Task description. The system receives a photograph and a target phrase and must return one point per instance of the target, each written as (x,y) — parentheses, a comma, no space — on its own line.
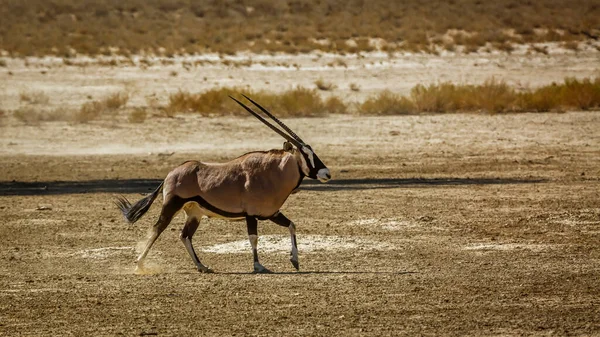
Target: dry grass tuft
(109,105)
(137,115)
(580,94)
(387,103)
(493,97)
(34,97)
(324,85)
(88,112)
(27,115)
(335,105)
(434,98)
(116,100)
(31,115)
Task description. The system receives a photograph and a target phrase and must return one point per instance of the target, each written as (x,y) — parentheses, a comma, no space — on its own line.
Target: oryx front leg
(282,220)
(190,227)
(252,225)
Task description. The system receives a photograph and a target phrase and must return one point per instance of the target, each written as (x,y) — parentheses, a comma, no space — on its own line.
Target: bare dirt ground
(446,225)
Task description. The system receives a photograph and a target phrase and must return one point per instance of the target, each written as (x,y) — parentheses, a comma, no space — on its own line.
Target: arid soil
(460,224)
(445,225)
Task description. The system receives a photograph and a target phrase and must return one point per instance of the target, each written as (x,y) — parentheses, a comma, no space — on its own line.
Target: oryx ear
(287,146)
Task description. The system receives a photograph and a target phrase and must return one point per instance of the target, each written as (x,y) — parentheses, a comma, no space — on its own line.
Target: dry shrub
(94,109)
(137,115)
(543,99)
(3,63)
(34,97)
(213,101)
(89,111)
(584,94)
(27,115)
(296,102)
(571,45)
(387,103)
(31,115)
(354,87)
(435,97)
(539,49)
(493,96)
(324,85)
(334,105)
(116,100)
(300,102)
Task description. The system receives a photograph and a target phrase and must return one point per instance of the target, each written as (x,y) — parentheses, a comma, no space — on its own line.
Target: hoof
(260,269)
(296,264)
(205,270)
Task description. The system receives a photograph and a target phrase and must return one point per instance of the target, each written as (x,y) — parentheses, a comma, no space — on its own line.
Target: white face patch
(310,155)
(303,165)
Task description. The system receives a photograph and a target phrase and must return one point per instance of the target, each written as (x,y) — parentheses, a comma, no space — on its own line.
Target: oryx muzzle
(253,187)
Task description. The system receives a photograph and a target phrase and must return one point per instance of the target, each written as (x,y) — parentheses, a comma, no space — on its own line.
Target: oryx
(253,187)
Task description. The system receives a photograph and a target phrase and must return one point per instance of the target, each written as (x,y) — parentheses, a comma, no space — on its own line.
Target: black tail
(133,213)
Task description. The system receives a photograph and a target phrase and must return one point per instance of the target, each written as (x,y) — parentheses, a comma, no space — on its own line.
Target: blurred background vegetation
(167,27)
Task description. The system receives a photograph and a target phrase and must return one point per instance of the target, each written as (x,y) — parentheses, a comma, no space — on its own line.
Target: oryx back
(257,184)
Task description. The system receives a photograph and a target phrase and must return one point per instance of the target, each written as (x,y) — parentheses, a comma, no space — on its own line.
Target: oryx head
(310,164)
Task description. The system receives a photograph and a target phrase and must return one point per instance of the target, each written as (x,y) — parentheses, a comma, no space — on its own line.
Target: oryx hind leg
(192,221)
(169,209)
(282,220)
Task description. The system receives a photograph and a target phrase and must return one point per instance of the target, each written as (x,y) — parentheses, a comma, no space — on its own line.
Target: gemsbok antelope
(253,186)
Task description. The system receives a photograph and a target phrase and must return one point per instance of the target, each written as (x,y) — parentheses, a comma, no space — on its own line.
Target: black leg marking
(282,220)
(190,227)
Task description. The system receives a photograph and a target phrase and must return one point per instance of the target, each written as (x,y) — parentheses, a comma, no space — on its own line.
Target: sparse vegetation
(492,96)
(34,97)
(167,27)
(137,115)
(324,85)
(32,115)
(94,109)
(116,100)
(295,102)
(387,103)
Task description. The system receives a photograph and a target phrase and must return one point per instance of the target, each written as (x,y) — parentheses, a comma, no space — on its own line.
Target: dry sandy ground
(440,225)
(456,224)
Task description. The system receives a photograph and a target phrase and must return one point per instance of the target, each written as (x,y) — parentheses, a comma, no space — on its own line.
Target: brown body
(256,184)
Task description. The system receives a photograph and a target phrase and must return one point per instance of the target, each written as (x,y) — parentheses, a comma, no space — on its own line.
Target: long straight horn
(285,127)
(271,126)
